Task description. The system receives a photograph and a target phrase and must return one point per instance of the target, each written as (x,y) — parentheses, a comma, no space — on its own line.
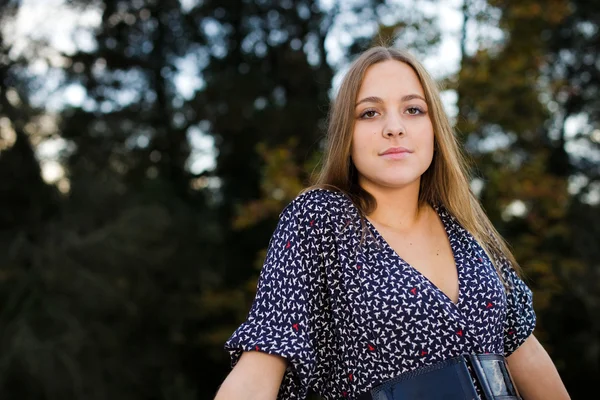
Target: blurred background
(147,148)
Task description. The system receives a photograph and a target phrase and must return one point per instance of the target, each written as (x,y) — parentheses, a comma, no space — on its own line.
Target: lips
(395,151)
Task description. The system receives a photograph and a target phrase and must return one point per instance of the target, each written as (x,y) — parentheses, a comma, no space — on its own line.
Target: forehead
(390,76)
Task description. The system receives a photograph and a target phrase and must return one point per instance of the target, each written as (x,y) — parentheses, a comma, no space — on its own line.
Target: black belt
(450,380)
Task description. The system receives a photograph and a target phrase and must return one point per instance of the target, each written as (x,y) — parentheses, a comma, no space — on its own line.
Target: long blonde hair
(446,181)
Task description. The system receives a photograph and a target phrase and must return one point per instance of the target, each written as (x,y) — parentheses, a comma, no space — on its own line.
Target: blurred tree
(124,280)
(515,97)
(572,80)
(24,206)
(27,205)
(101,299)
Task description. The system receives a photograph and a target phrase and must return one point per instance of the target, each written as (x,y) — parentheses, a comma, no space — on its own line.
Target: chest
(390,318)
(428,252)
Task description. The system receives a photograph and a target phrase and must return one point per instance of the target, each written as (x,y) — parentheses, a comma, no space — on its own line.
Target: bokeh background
(147,148)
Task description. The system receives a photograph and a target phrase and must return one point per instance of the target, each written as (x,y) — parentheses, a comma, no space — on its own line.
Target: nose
(394,127)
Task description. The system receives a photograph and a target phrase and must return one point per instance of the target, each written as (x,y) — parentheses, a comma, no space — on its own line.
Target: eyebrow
(375,99)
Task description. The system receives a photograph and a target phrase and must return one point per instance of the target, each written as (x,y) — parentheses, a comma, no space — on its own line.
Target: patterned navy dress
(348,313)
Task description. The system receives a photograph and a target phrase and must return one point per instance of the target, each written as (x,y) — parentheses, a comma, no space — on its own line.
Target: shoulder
(321,202)
(324,211)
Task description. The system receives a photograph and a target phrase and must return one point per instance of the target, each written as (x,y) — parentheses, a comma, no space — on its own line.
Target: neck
(397,208)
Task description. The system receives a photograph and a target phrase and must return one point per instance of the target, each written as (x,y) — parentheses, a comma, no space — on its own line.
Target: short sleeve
(287,316)
(520,315)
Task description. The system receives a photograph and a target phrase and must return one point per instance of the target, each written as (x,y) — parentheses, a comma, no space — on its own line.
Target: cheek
(432,143)
(361,144)
(360,149)
(363,136)
(428,138)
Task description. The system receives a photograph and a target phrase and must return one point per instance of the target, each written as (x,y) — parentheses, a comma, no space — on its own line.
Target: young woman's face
(392,142)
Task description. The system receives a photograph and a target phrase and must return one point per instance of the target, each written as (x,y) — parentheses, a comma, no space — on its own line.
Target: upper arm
(289,314)
(534,372)
(256,375)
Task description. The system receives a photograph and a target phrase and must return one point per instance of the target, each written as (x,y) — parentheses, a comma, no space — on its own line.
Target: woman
(388,263)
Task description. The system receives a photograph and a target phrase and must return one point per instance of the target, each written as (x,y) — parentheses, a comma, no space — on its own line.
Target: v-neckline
(421,276)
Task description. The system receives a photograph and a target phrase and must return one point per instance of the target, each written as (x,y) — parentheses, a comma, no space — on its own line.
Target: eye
(368,114)
(414,111)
